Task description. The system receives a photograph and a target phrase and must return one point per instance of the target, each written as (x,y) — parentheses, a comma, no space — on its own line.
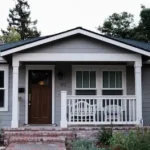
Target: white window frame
(5,68)
(99,76)
(115,68)
(83,68)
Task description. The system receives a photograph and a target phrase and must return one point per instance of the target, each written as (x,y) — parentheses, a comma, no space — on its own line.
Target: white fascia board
(68,57)
(73,32)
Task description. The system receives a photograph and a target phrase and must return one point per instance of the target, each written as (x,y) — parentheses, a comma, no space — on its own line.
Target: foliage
(84,145)
(122,25)
(19,19)
(104,136)
(137,140)
(142,31)
(119,25)
(11,36)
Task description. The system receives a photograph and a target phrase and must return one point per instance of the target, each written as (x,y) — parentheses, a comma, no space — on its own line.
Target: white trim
(84,57)
(74,32)
(99,81)
(5,68)
(40,67)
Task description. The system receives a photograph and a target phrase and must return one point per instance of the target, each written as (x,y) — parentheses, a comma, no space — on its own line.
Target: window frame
(5,68)
(76,68)
(115,68)
(99,76)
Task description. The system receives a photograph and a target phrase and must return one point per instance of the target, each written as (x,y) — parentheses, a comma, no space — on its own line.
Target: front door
(40,97)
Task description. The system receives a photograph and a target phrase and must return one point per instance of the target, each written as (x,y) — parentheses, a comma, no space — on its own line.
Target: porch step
(36,135)
(27,139)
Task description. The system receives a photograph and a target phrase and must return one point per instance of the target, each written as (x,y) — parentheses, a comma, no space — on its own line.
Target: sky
(55,16)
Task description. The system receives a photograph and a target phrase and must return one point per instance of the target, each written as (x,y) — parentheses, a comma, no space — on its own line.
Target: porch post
(63,121)
(15,103)
(138,92)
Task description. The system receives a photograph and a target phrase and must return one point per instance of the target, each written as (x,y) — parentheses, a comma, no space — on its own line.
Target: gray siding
(146,94)
(5,117)
(78,44)
(130,80)
(60,85)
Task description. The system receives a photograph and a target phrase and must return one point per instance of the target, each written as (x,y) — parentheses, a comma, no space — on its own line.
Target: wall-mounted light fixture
(60,75)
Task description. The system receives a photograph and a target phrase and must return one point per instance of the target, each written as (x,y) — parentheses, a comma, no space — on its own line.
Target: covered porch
(97,94)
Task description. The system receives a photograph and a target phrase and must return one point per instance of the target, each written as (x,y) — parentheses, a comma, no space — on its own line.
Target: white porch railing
(93,110)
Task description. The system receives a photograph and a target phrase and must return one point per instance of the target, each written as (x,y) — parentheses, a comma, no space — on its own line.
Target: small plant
(84,145)
(104,136)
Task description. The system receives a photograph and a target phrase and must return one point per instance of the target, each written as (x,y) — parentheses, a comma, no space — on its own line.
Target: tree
(118,25)
(122,25)
(142,31)
(19,19)
(11,36)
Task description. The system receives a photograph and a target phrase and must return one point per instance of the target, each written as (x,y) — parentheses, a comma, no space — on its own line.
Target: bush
(84,145)
(104,136)
(137,140)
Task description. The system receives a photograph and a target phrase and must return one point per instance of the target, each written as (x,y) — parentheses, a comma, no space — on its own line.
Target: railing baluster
(129,110)
(122,104)
(118,111)
(102,110)
(125,110)
(109,110)
(105,109)
(97,108)
(133,109)
(94,103)
(89,110)
(114,110)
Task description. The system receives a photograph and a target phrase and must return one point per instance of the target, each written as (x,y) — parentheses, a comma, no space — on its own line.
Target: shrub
(104,136)
(137,140)
(84,145)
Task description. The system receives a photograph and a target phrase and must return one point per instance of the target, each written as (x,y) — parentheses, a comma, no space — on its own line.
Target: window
(85,83)
(112,83)
(3,87)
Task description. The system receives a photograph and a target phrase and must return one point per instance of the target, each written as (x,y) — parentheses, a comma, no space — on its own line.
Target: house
(76,77)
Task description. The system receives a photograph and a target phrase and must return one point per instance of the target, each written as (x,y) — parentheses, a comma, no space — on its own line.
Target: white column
(138,92)
(63,121)
(15,102)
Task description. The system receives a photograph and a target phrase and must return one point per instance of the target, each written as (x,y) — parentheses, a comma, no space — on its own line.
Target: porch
(97,94)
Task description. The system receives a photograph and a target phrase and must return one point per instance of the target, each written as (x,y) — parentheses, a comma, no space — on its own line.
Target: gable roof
(132,45)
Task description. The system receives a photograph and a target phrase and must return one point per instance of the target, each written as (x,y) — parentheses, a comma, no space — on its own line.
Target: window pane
(85,79)
(79,79)
(112,79)
(105,79)
(1,79)
(85,92)
(118,79)
(1,98)
(92,79)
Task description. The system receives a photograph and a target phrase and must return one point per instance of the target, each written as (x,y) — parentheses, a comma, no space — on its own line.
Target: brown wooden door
(40,97)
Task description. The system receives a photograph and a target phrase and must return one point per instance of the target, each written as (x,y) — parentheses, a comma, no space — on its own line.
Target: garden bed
(138,139)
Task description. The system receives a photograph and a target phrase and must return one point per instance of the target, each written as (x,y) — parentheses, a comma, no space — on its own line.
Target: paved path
(36,147)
